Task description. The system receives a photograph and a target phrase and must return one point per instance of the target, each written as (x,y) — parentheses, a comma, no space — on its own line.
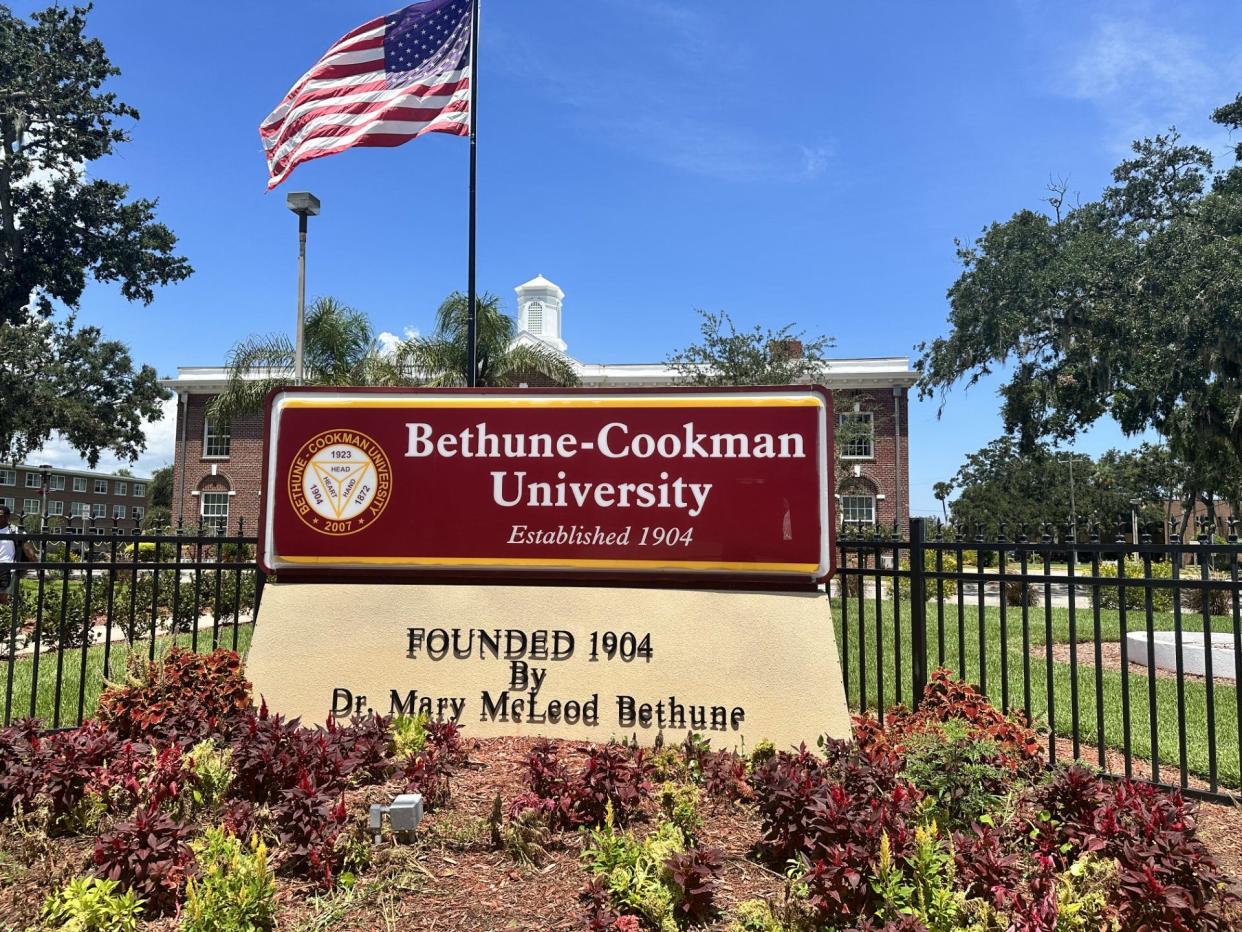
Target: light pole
(304,205)
(45,474)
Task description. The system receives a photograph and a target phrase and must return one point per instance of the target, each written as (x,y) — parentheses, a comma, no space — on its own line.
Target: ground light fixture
(404,813)
(304,204)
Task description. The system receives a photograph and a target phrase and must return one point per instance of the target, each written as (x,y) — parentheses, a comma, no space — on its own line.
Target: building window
(31,506)
(857,509)
(138,512)
(56,507)
(56,483)
(33,481)
(118,512)
(97,531)
(534,316)
(215,440)
(120,488)
(215,508)
(79,484)
(140,490)
(101,486)
(8,476)
(9,503)
(99,510)
(76,509)
(856,431)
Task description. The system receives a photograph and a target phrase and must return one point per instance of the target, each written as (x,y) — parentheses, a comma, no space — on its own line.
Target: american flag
(390,80)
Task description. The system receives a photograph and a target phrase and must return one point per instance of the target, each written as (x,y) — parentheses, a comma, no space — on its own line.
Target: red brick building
(217,468)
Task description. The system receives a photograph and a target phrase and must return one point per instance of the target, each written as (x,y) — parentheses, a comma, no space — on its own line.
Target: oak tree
(60,228)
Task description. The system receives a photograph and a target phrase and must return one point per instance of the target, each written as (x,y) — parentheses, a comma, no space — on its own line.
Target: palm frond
(525,363)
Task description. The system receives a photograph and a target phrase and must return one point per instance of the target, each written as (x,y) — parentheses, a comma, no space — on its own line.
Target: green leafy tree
(1128,306)
(442,358)
(1002,482)
(339,349)
(160,488)
(58,230)
(758,356)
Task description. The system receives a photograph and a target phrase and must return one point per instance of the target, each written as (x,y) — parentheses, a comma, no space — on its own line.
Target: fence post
(918,609)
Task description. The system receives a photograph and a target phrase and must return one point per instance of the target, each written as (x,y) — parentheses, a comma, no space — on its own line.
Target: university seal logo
(340,482)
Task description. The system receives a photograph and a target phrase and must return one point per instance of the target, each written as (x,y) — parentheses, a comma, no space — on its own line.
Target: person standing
(11,542)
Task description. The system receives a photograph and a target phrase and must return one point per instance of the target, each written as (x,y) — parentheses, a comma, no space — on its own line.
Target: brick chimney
(785,349)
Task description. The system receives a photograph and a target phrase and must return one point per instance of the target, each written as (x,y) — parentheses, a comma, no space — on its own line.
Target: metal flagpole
(472,349)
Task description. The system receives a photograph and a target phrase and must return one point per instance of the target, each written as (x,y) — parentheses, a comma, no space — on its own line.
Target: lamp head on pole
(303,203)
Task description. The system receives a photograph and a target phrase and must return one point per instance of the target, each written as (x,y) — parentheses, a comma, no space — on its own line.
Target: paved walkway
(100,633)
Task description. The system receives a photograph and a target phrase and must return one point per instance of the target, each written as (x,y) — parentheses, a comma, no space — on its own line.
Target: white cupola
(539,310)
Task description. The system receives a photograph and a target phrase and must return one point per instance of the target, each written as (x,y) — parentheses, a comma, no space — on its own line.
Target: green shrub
(1022,593)
(756,916)
(1084,893)
(964,777)
(90,904)
(948,564)
(763,752)
(668,764)
(923,887)
(409,735)
(63,619)
(212,774)
(637,880)
(1161,598)
(1219,601)
(235,890)
(680,803)
(150,551)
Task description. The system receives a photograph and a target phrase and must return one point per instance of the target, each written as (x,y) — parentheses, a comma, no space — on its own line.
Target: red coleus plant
(182,697)
(51,770)
(945,699)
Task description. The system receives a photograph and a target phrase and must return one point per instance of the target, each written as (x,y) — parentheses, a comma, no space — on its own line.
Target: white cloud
(389,342)
(161,445)
(1145,75)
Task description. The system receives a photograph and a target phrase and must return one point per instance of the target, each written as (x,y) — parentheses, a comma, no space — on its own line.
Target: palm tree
(339,349)
(441,359)
(942,490)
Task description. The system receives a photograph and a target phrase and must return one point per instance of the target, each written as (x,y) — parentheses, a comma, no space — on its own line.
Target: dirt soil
(1110,657)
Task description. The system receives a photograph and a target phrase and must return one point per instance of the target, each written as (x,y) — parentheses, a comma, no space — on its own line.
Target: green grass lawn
(70,673)
(1066,679)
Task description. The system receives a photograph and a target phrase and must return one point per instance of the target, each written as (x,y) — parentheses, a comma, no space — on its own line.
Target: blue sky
(789,162)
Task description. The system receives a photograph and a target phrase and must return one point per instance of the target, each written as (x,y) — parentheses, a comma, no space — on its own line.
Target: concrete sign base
(560,661)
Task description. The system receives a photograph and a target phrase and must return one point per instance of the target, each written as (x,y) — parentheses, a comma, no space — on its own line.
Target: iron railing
(92,599)
(1042,623)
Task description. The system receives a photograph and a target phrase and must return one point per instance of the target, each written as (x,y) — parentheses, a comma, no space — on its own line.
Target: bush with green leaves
(963,775)
(756,916)
(1219,601)
(213,774)
(680,803)
(1161,596)
(61,612)
(634,869)
(409,735)
(921,886)
(935,587)
(92,904)
(1084,894)
(234,890)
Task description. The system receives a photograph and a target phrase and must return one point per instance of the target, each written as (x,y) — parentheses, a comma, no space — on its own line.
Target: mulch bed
(450,879)
(449,885)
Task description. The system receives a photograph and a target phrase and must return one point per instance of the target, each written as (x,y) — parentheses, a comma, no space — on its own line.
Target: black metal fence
(1105,644)
(97,595)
